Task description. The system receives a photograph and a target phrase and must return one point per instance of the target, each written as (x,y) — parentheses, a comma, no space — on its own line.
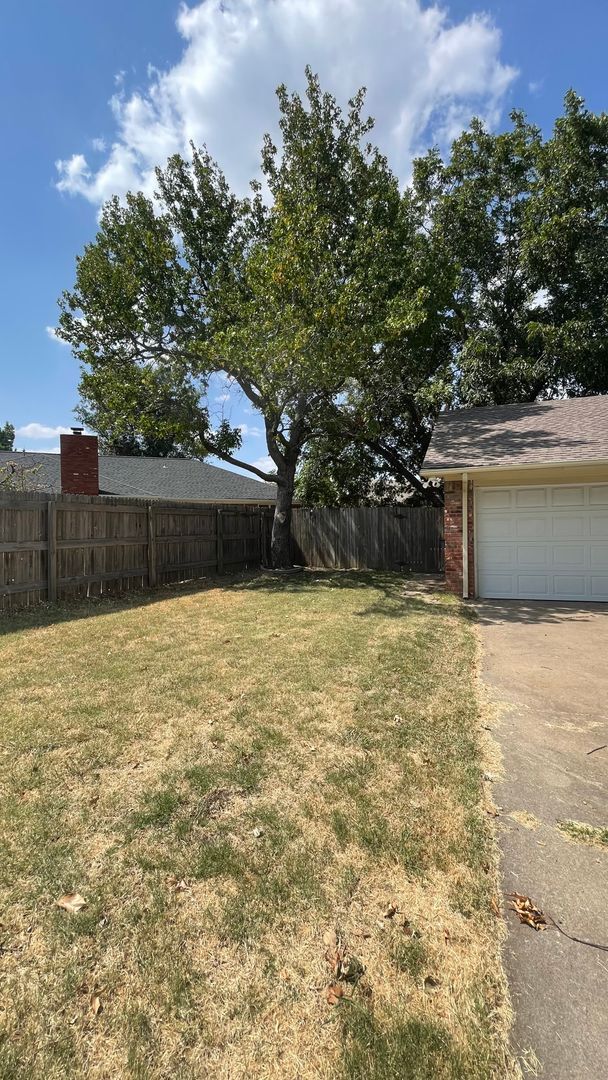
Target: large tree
(526,221)
(566,249)
(301,294)
(476,205)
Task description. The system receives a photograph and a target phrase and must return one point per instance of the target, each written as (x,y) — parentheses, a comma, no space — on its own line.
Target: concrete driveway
(546,669)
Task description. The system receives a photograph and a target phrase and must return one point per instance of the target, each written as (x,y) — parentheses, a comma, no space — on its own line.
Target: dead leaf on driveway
(527,912)
(72,902)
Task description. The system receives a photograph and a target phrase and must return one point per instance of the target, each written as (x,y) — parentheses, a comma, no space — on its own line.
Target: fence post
(219,542)
(152,574)
(51,532)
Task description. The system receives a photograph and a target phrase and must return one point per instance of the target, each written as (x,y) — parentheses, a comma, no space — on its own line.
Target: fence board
(369,537)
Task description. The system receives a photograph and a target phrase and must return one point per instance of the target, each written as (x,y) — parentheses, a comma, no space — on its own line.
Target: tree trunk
(280,545)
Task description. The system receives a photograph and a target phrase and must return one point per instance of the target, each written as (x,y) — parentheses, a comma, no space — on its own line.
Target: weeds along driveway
(546,667)
(269,796)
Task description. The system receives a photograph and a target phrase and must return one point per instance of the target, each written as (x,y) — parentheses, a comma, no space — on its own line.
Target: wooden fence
(53,547)
(370,537)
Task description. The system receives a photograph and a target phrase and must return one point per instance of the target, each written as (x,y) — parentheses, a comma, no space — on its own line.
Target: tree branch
(268,477)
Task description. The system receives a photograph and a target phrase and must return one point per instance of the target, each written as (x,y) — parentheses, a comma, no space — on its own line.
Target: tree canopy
(300,297)
(348,311)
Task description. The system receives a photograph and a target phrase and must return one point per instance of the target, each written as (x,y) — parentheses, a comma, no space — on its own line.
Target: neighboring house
(79,470)
(526,499)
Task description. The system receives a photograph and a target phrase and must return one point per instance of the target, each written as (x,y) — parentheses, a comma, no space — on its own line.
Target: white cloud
(247,431)
(426,75)
(221,398)
(99,145)
(51,332)
(41,431)
(266,464)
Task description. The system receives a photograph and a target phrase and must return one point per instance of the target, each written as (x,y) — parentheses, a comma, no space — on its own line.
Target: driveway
(546,669)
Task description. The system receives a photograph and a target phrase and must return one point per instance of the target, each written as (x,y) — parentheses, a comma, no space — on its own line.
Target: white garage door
(542,543)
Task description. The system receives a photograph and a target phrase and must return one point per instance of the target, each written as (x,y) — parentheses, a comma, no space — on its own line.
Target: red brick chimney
(79,463)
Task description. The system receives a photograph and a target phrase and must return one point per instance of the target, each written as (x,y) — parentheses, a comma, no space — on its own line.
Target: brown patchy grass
(228,775)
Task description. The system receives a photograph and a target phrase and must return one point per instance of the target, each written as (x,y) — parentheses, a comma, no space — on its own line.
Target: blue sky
(92,96)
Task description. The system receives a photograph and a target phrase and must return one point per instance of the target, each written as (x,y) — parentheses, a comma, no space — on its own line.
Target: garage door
(542,543)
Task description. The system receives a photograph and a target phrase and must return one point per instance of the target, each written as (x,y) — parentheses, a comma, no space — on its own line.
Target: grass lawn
(262,790)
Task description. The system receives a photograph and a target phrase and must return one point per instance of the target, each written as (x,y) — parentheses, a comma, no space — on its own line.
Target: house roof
(544,432)
(155,478)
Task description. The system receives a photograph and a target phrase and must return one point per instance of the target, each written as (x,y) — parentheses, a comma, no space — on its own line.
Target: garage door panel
(598,556)
(543,543)
(569,586)
(531,527)
(495,527)
(530,498)
(531,556)
(598,526)
(567,496)
(497,585)
(568,526)
(498,556)
(569,556)
(493,499)
(532,585)
(599,587)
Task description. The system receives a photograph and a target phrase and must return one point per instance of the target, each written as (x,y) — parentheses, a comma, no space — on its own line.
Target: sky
(94,96)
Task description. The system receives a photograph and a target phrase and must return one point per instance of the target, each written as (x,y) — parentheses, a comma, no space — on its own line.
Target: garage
(542,543)
(525,491)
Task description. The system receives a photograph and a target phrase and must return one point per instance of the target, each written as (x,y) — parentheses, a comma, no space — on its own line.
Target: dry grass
(228,775)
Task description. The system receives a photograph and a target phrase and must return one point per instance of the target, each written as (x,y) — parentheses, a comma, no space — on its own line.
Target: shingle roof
(575,429)
(155,478)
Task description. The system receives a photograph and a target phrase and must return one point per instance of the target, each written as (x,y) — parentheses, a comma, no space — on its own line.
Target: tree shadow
(400,595)
(535,612)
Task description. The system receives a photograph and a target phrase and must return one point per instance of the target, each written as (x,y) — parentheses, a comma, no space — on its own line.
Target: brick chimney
(79,463)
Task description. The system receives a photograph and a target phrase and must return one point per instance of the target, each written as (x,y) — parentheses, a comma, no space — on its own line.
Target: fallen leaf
(447,937)
(72,902)
(96,1006)
(342,965)
(391,910)
(180,885)
(431,983)
(257,833)
(494,906)
(527,912)
(333,993)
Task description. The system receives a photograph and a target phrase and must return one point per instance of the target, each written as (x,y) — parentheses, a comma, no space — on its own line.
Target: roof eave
(456,470)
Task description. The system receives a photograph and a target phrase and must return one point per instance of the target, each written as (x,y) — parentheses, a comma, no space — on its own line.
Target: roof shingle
(155,478)
(572,429)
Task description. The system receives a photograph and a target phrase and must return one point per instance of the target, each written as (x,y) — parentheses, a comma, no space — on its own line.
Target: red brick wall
(453,537)
(79,465)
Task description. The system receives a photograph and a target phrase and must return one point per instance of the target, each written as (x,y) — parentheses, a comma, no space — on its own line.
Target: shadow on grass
(400,595)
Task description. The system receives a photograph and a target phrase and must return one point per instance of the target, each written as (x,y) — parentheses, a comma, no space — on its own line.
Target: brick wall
(79,464)
(453,537)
